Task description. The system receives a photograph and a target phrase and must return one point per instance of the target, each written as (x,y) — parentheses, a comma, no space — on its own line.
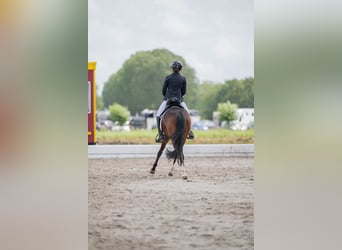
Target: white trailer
(245,116)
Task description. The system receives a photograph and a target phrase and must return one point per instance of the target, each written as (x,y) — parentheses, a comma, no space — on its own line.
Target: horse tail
(178,140)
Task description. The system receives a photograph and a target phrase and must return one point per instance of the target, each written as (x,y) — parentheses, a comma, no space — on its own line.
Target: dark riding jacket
(174,86)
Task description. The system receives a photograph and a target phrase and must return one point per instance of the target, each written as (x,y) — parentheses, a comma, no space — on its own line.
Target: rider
(174,86)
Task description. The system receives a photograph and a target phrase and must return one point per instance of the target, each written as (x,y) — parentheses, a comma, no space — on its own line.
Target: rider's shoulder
(182,77)
(170,76)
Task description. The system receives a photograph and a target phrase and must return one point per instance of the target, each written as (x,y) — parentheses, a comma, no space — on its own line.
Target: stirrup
(191,135)
(159,138)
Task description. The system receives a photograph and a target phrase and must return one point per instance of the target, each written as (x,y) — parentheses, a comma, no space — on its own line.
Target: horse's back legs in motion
(162,147)
(184,174)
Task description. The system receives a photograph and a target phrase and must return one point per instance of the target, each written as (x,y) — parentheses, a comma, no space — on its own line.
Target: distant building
(150,118)
(145,120)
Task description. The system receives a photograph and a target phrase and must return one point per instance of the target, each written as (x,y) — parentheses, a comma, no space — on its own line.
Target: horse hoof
(151,172)
(185,177)
(170,174)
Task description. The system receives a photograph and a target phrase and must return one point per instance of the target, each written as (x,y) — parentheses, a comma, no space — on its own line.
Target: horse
(175,125)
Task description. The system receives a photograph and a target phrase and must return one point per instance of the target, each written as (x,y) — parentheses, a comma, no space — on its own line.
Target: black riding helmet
(176,65)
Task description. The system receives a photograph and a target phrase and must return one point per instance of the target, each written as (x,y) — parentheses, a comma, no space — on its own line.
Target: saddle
(173,101)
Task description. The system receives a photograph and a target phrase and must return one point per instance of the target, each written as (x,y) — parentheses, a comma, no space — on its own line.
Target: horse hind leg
(173,167)
(184,174)
(162,147)
(171,170)
(180,162)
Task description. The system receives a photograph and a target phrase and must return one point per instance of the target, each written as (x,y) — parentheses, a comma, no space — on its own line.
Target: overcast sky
(215,37)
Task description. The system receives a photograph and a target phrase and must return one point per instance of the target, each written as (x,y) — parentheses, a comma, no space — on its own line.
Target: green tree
(138,84)
(237,91)
(207,103)
(118,113)
(228,111)
(99,103)
(247,96)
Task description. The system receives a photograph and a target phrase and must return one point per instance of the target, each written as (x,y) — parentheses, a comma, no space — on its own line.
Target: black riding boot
(191,135)
(160,136)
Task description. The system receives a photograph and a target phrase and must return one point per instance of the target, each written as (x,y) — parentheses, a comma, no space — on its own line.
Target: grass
(214,136)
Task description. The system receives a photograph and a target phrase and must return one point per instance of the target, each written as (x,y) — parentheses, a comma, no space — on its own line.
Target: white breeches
(163,106)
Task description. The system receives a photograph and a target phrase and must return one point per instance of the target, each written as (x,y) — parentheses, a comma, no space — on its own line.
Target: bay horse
(175,125)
